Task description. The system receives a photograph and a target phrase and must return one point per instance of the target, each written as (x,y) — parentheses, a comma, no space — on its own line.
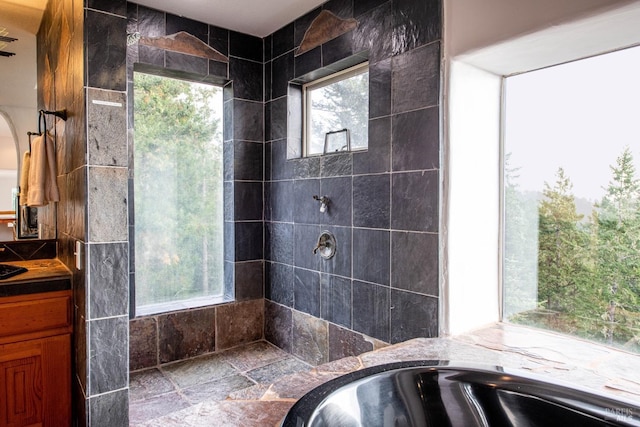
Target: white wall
(484,41)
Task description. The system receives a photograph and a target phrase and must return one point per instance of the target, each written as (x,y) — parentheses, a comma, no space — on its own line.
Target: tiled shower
(381,287)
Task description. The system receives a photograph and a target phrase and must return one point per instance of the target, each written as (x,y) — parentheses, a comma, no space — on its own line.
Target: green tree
(561,247)
(618,253)
(177,189)
(340,105)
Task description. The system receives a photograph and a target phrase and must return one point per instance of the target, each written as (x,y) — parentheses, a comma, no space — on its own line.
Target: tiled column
(104,365)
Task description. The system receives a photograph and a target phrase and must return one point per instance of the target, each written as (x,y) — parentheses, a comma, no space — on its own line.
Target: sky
(578,116)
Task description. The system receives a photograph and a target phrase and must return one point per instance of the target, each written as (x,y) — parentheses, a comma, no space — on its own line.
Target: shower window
(572,199)
(178,193)
(336,112)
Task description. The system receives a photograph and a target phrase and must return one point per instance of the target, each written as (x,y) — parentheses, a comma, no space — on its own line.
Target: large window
(178,200)
(336,112)
(572,198)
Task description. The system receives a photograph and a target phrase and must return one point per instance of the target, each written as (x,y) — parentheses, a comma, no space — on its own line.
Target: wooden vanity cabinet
(35,359)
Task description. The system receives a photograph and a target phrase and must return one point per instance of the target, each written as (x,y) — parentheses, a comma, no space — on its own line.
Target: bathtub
(433,393)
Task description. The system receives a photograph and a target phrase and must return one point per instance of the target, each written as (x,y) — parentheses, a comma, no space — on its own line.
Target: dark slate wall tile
(282,69)
(249,241)
(117,7)
(109,266)
(248,201)
(371,255)
(420,251)
(375,33)
(282,40)
(247,79)
(245,46)
(267,80)
(248,120)
(336,165)
(414,201)
(279,118)
(308,62)
(377,158)
(219,69)
(151,22)
(340,264)
(336,299)
(416,23)
(306,210)
(305,240)
(227,116)
(416,140)
(187,63)
(341,8)
(197,29)
(307,167)
(279,242)
(248,160)
(109,361)
(380,89)
(346,343)
(306,291)
(267,48)
(239,323)
(372,201)
(219,39)
(281,201)
(416,79)
(362,6)
(249,280)
(310,339)
(413,316)
(337,49)
(279,281)
(143,343)
(110,409)
(229,240)
(106,51)
(371,309)
(151,55)
(280,167)
(339,191)
(186,334)
(278,326)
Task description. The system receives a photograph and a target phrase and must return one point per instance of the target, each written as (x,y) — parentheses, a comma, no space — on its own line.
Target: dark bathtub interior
(434,393)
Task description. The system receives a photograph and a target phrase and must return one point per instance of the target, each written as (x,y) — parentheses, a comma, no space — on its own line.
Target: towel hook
(42,120)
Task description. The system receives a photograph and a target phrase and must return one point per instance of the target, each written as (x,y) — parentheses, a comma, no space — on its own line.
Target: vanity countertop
(42,275)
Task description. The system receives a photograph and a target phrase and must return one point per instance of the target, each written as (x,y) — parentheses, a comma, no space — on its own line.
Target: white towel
(24,178)
(42,187)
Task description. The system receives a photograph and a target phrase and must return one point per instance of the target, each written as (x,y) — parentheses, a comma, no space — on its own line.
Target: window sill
(167,307)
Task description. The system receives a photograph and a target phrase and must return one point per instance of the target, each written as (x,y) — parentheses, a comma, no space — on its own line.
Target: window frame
(336,77)
(198,301)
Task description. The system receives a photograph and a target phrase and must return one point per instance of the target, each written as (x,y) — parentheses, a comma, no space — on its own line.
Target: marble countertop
(43,275)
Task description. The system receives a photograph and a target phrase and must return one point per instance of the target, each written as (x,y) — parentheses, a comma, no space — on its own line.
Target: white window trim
(317,84)
(471,248)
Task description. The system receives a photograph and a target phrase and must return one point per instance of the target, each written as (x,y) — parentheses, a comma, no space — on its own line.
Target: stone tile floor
(255,385)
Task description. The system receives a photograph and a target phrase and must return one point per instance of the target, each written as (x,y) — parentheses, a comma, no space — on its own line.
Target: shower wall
(382,284)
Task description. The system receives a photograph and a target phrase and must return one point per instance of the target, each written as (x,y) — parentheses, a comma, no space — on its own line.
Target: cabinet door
(35,381)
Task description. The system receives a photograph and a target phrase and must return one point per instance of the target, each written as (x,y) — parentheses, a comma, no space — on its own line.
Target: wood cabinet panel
(35,374)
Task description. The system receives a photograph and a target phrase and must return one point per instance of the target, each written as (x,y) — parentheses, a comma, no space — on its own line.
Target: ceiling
(255,17)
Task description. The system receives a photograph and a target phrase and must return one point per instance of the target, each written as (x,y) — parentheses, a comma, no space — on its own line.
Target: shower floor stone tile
(255,385)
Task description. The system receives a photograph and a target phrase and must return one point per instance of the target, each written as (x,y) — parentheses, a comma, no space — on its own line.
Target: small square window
(336,112)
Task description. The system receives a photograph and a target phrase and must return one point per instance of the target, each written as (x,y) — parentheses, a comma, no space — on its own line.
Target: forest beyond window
(178,193)
(572,199)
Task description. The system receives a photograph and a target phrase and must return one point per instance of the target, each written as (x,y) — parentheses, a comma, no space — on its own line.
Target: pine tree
(618,251)
(561,247)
